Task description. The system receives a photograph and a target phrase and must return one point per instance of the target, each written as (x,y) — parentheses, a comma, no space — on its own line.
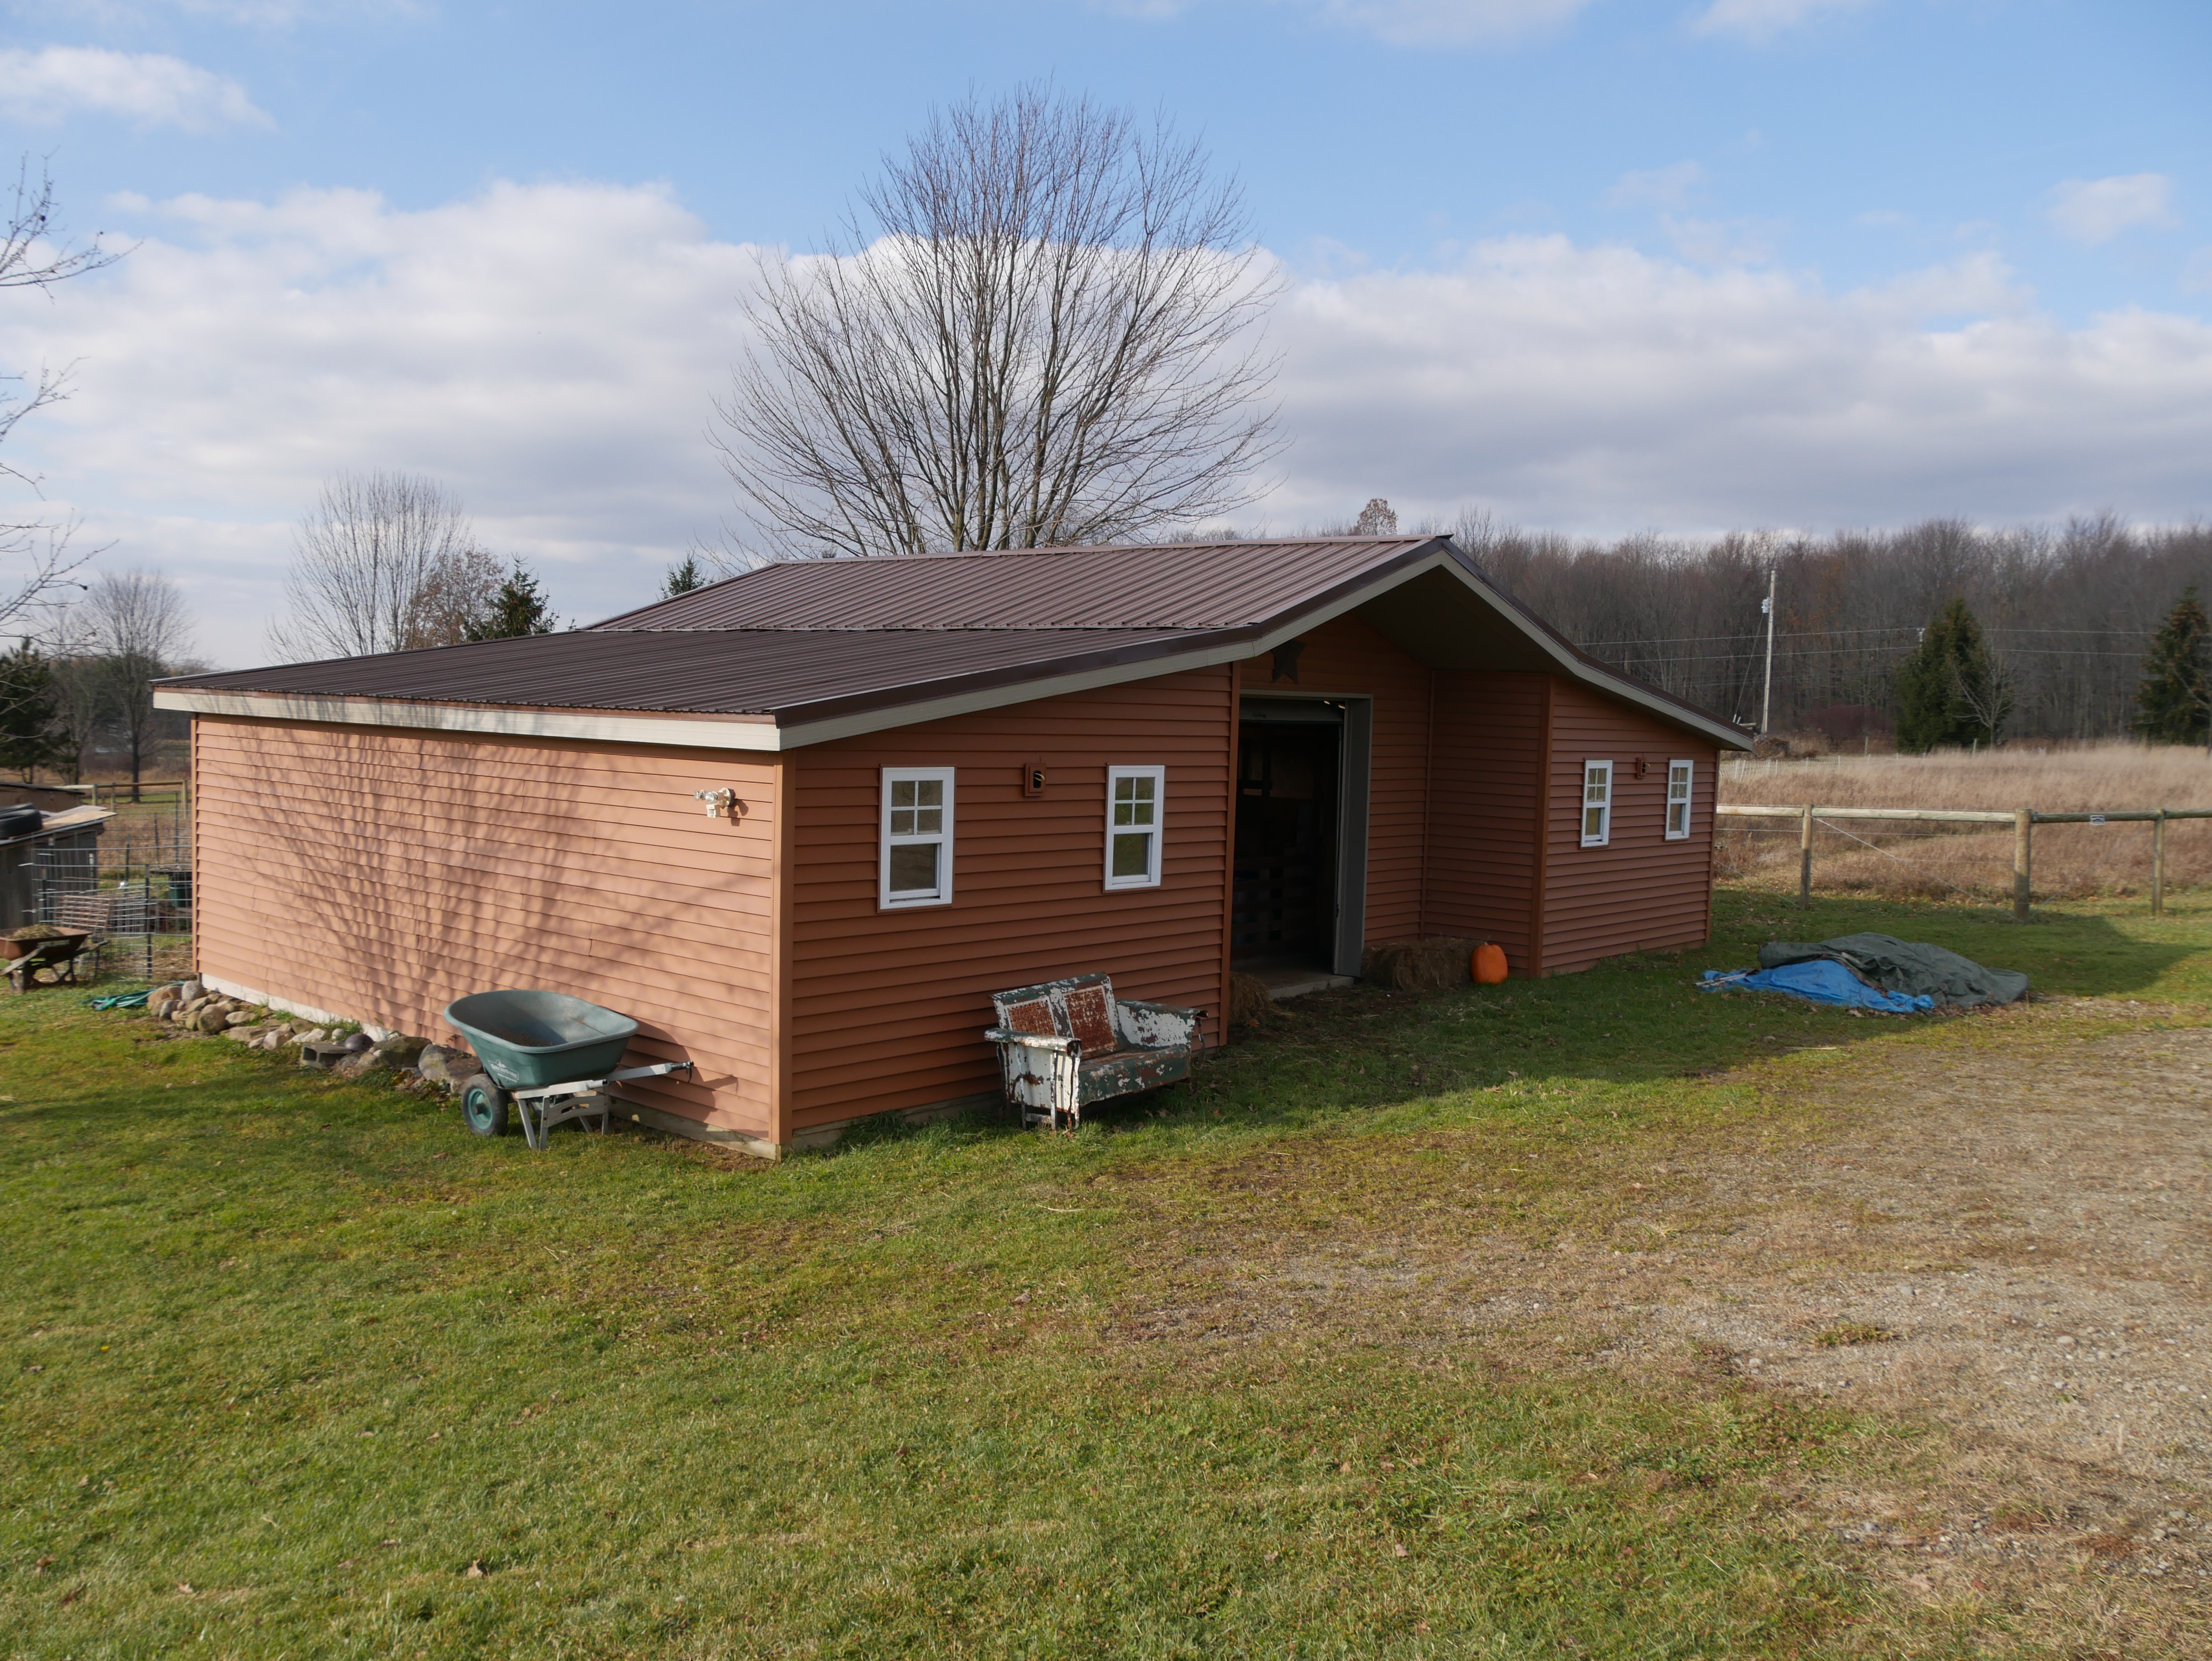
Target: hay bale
(1248,1002)
(1424,965)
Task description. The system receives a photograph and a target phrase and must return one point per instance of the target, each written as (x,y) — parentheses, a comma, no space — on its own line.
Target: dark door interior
(1283,908)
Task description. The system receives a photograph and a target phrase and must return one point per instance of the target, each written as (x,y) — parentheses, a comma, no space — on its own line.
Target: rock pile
(194,1008)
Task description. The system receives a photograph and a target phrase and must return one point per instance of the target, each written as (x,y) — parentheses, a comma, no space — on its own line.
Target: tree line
(85,689)
(2038,632)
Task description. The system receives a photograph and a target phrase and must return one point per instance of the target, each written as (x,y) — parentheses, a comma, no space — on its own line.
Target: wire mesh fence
(138,875)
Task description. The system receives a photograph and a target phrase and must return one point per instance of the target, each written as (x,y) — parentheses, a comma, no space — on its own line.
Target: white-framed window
(1597,803)
(916,867)
(1681,780)
(1135,799)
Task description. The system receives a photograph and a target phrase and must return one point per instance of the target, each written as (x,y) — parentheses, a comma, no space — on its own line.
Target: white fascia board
(499,721)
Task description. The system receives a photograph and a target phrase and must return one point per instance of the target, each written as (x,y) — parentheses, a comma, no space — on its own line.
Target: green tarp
(1897,965)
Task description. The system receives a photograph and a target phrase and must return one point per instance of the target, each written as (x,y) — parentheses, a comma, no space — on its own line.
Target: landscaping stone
(363,1062)
(446,1065)
(399,1049)
(240,1018)
(189,990)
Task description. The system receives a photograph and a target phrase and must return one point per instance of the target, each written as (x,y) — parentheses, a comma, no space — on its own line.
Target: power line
(1840,633)
(1751,655)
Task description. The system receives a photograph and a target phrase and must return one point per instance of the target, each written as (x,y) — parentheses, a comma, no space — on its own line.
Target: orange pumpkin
(1489,965)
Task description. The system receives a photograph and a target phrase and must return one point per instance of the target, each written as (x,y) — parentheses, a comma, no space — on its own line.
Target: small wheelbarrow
(54,958)
(548,1054)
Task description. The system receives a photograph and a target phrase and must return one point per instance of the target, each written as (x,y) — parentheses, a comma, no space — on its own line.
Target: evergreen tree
(1950,690)
(28,702)
(2173,703)
(683,579)
(519,608)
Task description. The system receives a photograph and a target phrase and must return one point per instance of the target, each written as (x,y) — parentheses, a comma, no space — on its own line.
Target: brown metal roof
(725,672)
(808,641)
(1192,584)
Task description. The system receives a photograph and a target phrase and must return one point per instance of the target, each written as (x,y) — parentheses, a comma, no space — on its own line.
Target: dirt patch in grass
(1997,1238)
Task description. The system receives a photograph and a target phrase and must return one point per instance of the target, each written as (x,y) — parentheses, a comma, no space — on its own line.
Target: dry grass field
(1932,861)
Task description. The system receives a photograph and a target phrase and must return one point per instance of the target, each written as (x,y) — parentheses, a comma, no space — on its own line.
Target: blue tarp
(1820,980)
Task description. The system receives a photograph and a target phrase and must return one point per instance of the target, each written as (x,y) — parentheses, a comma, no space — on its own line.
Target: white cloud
(1603,390)
(2196,272)
(146,88)
(550,351)
(1659,187)
(1762,20)
(2094,210)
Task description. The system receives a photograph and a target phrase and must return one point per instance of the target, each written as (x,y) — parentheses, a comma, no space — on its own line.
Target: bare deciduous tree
(41,551)
(1038,326)
(385,563)
(136,630)
(2069,611)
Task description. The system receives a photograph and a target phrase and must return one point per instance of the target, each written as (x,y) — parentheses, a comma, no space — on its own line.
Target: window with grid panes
(1597,803)
(916,866)
(1135,797)
(1681,776)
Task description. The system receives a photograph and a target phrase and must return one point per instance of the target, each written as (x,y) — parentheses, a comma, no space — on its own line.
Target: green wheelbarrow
(550,1055)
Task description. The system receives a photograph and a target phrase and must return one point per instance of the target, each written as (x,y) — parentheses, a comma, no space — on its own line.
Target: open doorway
(1289,769)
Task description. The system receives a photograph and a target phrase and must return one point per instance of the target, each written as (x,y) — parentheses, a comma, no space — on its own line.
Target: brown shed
(800,824)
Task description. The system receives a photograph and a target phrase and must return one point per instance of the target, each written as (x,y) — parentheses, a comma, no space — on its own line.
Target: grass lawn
(299,1368)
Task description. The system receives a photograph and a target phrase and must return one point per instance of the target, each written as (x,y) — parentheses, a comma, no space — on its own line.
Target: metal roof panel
(1196,585)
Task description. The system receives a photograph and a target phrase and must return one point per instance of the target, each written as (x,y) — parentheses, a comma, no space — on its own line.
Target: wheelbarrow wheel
(483,1104)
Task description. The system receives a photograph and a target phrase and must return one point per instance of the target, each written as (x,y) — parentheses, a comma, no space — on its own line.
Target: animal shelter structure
(801,823)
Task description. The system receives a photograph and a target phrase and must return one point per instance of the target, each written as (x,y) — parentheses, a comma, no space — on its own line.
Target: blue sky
(1606,266)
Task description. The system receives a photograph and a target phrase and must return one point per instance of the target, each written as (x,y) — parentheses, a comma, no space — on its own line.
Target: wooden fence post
(2158,864)
(1805,861)
(2023,853)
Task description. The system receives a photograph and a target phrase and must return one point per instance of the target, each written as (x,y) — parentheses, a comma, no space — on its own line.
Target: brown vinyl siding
(1347,657)
(1641,892)
(1485,797)
(379,873)
(888,1008)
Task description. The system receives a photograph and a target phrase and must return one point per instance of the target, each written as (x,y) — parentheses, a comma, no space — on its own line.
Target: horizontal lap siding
(1484,794)
(888,1008)
(1642,892)
(1347,657)
(380,874)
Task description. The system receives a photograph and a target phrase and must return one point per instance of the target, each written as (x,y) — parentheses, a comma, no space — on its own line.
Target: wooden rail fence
(2023,821)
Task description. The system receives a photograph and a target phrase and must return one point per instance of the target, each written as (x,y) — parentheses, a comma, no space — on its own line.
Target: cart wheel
(483,1104)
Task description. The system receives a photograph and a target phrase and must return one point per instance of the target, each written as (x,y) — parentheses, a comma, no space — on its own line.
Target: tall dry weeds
(1933,862)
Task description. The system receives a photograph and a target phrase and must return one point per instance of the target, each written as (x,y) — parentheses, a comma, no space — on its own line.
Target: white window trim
(1158,776)
(1592,769)
(885,843)
(1688,799)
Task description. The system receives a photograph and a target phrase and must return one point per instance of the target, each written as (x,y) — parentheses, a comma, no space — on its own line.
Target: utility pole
(1767,696)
